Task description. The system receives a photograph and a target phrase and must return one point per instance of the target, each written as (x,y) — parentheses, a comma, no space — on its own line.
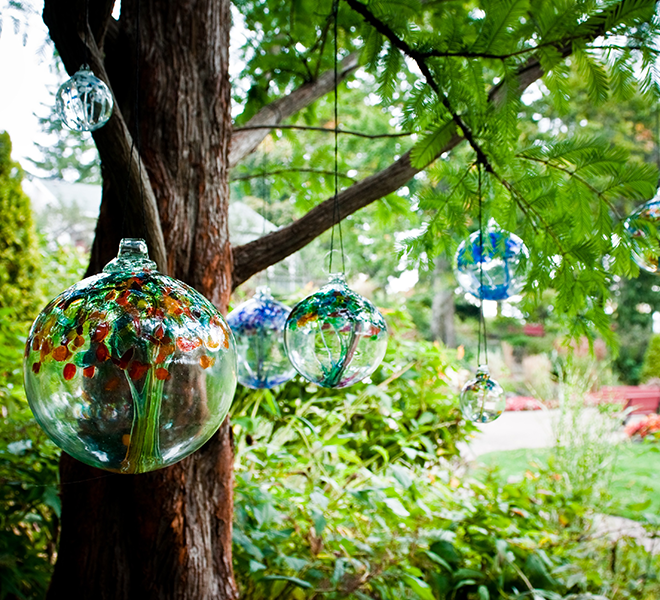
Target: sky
(27,81)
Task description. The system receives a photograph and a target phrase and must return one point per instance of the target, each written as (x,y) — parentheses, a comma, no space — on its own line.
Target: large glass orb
(644,223)
(482,398)
(258,327)
(501,259)
(130,370)
(84,102)
(335,337)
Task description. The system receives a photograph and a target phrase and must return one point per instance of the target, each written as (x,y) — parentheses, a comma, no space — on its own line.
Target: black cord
(86,32)
(336,218)
(135,140)
(482,318)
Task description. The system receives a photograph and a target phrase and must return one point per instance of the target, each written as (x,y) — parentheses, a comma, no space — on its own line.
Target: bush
(651,366)
(19,250)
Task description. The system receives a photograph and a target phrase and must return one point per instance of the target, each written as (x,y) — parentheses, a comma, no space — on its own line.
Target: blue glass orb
(258,327)
(130,370)
(335,337)
(84,102)
(482,398)
(642,224)
(500,259)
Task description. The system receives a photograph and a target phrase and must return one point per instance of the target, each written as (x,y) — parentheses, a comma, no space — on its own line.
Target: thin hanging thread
(266,208)
(86,32)
(336,217)
(135,140)
(482,319)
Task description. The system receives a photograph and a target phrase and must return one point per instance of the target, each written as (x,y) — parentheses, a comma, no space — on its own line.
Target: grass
(635,485)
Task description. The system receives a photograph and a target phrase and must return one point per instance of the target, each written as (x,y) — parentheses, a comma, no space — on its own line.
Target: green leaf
(299,582)
(431,145)
(419,586)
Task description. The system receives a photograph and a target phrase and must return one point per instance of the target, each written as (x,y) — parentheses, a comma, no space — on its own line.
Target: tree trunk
(442,307)
(165,534)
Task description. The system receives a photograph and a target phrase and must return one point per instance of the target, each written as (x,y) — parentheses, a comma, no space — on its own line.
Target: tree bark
(442,306)
(165,534)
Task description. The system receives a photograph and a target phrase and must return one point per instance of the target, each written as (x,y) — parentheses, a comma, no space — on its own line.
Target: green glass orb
(482,398)
(335,337)
(130,370)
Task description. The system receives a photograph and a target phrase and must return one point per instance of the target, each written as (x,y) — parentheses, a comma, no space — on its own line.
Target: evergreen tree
(19,251)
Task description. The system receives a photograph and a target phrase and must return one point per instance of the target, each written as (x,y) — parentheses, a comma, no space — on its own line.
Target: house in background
(66,213)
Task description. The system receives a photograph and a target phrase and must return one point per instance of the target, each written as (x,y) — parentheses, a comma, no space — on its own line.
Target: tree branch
(374,136)
(66,25)
(274,247)
(291,170)
(247,138)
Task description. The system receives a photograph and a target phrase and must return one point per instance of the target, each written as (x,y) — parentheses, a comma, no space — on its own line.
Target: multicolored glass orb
(500,258)
(258,327)
(644,223)
(482,398)
(335,337)
(84,102)
(130,370)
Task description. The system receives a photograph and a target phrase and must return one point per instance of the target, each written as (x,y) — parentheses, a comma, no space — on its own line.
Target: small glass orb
(130,370)
(500,260)
(258,327)
(84,102)
(482,398)
(335,337)
(641,224)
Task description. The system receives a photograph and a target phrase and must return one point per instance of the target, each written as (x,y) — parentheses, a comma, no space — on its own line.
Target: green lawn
(635,485)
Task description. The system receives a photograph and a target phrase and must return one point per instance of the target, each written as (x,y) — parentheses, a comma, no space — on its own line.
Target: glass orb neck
(337,278)
(133,256)
(263,293)
(483,371)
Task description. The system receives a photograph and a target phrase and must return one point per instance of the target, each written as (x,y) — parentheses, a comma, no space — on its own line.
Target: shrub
(651,366)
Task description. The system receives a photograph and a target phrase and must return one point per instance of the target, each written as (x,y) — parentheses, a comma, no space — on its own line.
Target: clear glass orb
(482,398)
(258,327)
(500,258)
(335,337)
(642,224)
(84,102)
(130,370)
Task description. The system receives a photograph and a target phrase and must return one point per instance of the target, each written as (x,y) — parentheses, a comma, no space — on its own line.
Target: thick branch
(67,25)
(244,141)
(274,247)
(370,136)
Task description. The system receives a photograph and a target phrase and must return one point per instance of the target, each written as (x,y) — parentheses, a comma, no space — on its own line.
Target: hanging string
(86,32)
(336,217)
(135,140)
(482,318)
(266,206)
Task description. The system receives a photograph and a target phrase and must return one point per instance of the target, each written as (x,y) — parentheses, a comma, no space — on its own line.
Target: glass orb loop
(335,337)
(130,370)
(500,261)
(84,102)
(482,398)
(644,224)
(258,327)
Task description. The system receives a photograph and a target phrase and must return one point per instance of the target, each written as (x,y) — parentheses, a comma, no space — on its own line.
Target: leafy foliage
(651,366)
(18,240)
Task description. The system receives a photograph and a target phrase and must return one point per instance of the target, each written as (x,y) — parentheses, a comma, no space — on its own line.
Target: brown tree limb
(270,249)
(258,255)
(370,136)
(140,213)
(244,141)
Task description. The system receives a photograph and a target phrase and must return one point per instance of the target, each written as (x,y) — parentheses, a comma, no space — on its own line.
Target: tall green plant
(19,251)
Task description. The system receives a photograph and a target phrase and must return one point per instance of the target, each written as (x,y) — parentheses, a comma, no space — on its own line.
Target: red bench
(642,400)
